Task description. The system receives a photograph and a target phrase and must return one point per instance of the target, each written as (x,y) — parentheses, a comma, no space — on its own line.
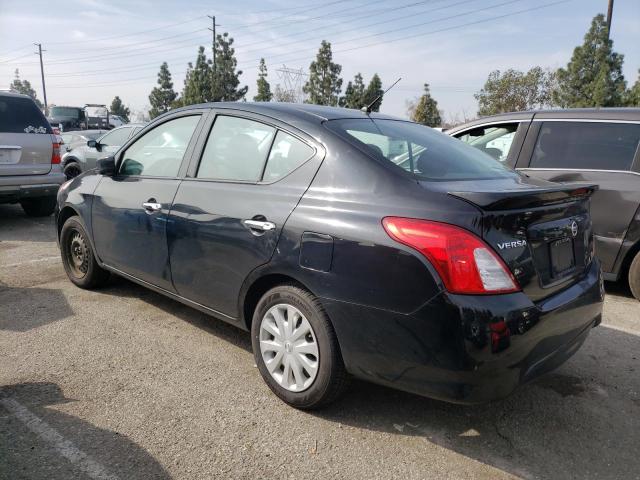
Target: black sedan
(348,244)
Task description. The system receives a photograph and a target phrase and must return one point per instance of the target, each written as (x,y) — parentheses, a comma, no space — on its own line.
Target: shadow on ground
(61,446)
(22,309)
(582,421)
(13,222)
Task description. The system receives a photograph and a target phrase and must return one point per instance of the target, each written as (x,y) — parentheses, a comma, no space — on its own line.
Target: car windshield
(421,151)
(96,111)
(64,112)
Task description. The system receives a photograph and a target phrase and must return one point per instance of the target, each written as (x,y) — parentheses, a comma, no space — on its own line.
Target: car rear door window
(160,151)
(494,140)
(586,145)
(236,149)
(287,154)
(21,115)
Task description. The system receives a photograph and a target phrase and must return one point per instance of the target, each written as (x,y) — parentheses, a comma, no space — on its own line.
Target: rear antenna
(367,109)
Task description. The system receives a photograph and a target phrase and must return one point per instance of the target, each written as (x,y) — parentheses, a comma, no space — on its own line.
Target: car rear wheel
(38,207)
(634,276)
(78,258)
(296,349)
(72,170)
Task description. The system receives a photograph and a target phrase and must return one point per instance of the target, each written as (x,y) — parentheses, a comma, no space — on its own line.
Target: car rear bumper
(468,349)
(15,188)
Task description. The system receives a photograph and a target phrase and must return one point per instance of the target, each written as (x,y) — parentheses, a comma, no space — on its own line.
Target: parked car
(451,276)
(89,145)
(97,116)
(116,121)
(30,172)
(71,140)
(600,146)
(67,119)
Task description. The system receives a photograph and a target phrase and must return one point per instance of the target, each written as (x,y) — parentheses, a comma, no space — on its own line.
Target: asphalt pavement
(123,383)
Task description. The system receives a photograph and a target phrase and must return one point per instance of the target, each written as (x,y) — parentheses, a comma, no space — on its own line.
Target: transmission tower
(292,82)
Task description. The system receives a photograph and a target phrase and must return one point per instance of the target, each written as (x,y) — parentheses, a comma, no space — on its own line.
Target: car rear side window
(160,151)
(418,150)
(586,145)
(236,149)
(21,115)
(287,154)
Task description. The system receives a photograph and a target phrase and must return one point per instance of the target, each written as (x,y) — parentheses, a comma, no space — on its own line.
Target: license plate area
(562,257)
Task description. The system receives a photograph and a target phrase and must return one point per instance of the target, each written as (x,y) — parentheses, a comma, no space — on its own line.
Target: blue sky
(99,49)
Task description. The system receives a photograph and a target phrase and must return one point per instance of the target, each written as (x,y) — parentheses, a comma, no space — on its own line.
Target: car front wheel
(296,349)
(72,170)
(78,257)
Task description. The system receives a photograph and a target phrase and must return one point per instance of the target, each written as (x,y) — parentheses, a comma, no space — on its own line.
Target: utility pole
(609,15)
(44,89)
(213,51)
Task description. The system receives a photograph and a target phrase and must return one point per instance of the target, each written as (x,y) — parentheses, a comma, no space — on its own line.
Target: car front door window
(115,138)
(159,152)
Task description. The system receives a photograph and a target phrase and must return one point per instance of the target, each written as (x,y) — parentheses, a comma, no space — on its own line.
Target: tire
(300,385)
(78,257)
(72,170)
(39,206)
(634,276)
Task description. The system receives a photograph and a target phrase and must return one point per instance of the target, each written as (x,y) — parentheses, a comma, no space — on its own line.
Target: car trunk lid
(541,230)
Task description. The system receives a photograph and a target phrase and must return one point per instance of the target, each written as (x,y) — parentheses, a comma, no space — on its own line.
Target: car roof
(618,114)
(13,94)
(301,111)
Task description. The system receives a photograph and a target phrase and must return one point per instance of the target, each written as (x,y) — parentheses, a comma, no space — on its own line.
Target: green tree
(373,91)
(324,84)
(264,89)
(226,81)
(197,82)
(162,97)
(632,97)
(425,110)
(593,77)
(118,108)
(24,87)
(514,91)
(353,94)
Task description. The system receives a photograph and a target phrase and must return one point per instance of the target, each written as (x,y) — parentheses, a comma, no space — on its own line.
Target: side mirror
(107,166)
(92,144)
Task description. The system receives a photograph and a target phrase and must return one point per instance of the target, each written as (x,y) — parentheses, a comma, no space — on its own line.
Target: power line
(421,34)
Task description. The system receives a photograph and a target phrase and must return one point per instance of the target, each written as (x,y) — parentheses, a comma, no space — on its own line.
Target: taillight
(55,154)
(465,263)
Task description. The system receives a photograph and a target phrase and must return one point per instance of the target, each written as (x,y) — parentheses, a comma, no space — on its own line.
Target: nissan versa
(348,244)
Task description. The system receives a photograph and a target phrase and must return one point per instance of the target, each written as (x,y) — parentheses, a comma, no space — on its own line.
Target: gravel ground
(124,383)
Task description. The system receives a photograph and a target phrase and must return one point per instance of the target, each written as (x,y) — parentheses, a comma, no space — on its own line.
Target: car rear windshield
(65,112)
(21,115)
(418,150)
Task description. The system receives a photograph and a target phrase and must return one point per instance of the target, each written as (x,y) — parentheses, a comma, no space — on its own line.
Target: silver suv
(30,171)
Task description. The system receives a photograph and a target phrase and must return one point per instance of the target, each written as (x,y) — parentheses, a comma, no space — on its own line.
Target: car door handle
(151,207)
(258,225)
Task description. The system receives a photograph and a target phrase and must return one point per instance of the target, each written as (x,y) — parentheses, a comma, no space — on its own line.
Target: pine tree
(632,97)
(373,91)
(515,91)
(324,84)
(353,94)
(197,82)
(264,89)
(118,108)
(425,110)
(24,87)
(593,77)
(226,81)
(163,97)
